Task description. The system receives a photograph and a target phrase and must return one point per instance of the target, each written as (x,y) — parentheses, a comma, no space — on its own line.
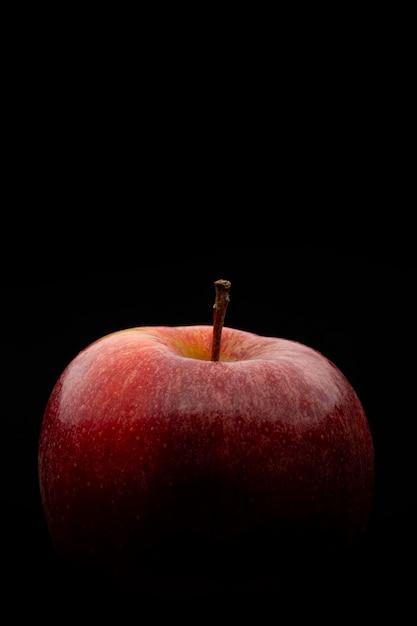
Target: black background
(355,305)
(143,160)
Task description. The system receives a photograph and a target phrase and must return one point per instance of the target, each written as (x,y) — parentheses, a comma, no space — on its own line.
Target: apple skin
(145,440)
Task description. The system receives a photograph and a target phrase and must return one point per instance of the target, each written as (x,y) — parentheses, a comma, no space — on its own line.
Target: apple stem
(222,288)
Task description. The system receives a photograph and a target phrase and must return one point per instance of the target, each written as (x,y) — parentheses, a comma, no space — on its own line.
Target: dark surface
(354,307)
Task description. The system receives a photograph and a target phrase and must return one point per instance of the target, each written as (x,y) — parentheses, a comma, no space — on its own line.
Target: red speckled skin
(144,438)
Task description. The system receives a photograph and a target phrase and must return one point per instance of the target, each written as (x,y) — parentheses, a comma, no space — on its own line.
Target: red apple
(202,437)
